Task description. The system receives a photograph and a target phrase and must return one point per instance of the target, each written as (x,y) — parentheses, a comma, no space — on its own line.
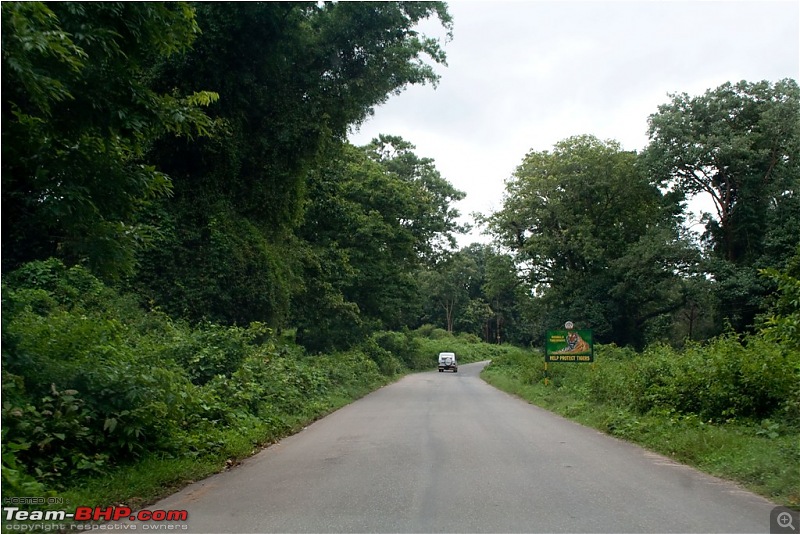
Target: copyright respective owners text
(23,514)
(784,520)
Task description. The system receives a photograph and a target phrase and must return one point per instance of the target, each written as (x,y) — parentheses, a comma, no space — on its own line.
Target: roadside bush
(525,366)
(52,437)
(782,325)
(75,394)
(791,406)
(15,478)
(81,389)
(352,373)
(469,338)
(432,332)
(732,379)
(405,346)
(651,380)
(388,364)
(724,380)
(92,381)
(211,350)
(424,330)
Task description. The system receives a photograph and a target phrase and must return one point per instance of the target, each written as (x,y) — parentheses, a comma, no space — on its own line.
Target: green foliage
(475,290)
(404,346)
(14,476)
(447,287)
(597,241)
(732,143)
(108,150)
(323,317)
(53,438)
(388,364)
(78,118)
(292,78)
(598,235)
(213,350)
(432,331)
(427,213)
(522,365)
(374,213)
(93,383)
(736,145)
(224,269)
(783,325)
(84,392)
(724,381)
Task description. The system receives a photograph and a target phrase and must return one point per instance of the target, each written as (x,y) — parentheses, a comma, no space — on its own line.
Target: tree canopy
(292,81)
(598,242)
(78,120)
(195,154)
(738,145)
(374,216)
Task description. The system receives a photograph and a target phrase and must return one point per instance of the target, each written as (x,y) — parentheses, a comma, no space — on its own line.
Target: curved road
(444,452)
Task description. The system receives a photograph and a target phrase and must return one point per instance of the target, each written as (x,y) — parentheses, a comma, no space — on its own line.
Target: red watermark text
(117,513)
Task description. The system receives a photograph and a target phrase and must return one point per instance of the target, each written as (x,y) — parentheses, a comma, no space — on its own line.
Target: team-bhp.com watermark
(86,518)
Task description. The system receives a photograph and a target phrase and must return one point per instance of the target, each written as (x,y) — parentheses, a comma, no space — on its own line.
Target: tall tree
(365,228)
(447,285)
(504,291)
(359,255)
(292,78)
(78,119)
(495,293)
(738,146)
(583,221)
(433,222)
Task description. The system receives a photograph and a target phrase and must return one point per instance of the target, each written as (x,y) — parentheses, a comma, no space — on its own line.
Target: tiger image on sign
(575,344)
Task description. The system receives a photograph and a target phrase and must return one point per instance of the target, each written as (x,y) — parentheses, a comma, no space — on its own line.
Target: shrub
(211,350)
(469,338)
(54,436)
(404,346)
(724,380)
(386,361)
(432,332)
(729,379)
(91,380)
(76,393)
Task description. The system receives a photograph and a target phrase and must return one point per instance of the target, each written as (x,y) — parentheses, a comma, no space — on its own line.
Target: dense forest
(191,248)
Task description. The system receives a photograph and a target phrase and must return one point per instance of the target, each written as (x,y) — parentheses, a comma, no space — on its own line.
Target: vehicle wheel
(441,370)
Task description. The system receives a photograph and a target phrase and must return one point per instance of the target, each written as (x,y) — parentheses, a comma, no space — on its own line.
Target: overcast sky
(523,75)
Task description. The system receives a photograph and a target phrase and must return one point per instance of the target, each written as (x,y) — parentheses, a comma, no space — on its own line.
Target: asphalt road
(444,452)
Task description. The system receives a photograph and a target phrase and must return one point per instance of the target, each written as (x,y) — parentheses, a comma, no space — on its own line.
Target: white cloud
(524,75)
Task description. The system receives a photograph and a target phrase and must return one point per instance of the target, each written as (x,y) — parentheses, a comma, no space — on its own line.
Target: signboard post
(569,345)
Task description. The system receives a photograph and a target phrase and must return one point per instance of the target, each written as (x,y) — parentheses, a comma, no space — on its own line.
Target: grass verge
(157,476)
(764,458)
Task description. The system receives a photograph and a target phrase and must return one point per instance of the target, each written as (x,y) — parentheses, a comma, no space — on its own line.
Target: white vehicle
(447,361)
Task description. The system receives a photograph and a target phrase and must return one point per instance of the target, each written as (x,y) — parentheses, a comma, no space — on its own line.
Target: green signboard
(569,346)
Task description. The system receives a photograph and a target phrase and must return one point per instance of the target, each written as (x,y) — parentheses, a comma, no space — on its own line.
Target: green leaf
(110,424)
